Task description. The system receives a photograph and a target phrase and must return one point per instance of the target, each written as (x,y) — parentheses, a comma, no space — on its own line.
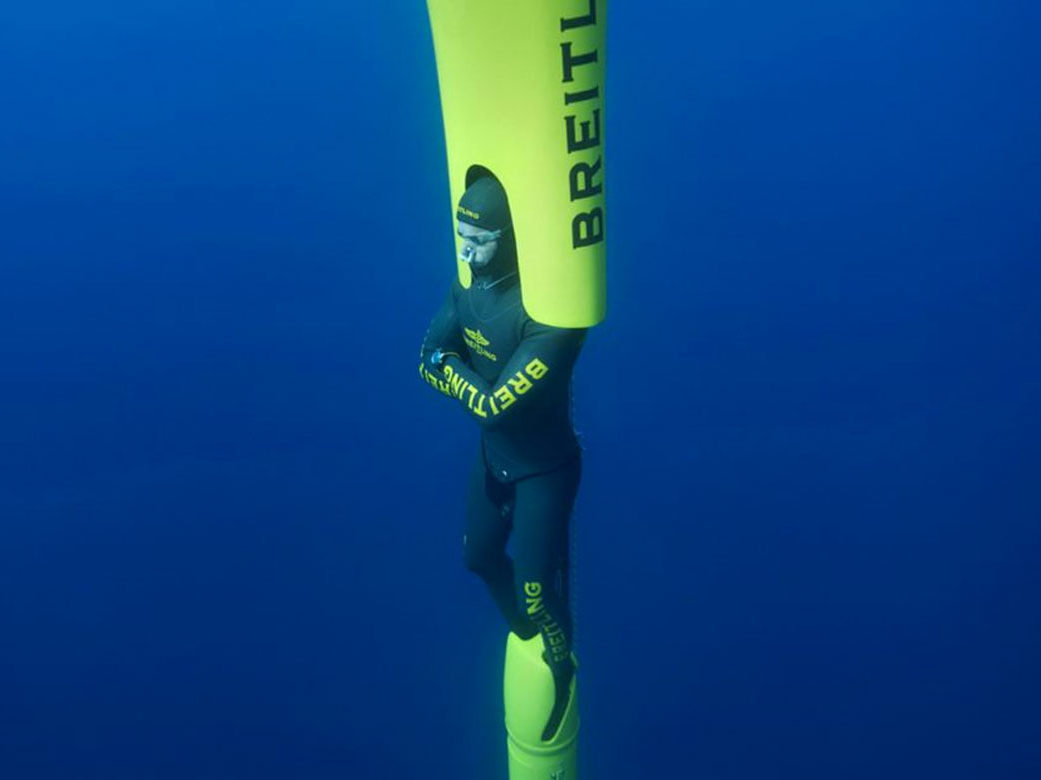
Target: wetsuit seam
(571,461)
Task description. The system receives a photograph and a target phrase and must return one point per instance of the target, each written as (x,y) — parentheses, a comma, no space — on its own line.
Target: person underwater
(512,376)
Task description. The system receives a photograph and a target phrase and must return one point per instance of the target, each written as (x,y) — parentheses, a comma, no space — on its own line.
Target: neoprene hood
(484,205)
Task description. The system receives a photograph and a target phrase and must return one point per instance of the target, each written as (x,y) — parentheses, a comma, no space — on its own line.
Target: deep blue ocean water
(807,539)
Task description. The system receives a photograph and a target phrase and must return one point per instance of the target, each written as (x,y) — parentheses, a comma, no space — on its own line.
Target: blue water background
(807,540)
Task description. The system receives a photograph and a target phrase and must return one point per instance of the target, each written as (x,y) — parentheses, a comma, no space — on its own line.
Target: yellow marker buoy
(522,97)
(529,694)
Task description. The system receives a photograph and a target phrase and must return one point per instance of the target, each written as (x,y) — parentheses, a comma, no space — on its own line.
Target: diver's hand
(437,360)
(435,363)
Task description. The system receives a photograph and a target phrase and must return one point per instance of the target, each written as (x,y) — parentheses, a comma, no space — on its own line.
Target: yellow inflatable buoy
(522,98)
(528,693)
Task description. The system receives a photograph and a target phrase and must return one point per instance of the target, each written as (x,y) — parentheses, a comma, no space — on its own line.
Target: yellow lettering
(479,411)
(536,369)
(456,383)
(532,588)
(521,384)
(506,398)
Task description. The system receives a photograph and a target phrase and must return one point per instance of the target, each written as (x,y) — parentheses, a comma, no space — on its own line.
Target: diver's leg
(488,507)
(540,537)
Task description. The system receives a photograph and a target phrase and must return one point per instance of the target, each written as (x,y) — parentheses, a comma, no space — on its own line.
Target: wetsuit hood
(484,205)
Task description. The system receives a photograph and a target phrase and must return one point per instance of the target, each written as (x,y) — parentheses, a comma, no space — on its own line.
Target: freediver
(512,375)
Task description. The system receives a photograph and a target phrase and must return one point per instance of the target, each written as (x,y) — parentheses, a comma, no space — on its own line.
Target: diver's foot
(562,686)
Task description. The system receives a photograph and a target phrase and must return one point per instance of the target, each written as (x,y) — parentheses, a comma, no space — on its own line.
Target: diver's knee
(477,559)
(475,563)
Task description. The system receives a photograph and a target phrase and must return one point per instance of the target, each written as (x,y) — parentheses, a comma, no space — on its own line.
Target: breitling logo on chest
(478,343)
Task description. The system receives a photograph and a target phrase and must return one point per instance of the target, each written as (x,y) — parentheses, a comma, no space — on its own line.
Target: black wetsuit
(512,375)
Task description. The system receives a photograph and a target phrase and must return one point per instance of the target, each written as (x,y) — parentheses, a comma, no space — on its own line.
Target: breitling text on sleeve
(505,394)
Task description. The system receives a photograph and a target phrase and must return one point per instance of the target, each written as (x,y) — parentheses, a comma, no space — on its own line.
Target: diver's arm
(544,357)
(442,334)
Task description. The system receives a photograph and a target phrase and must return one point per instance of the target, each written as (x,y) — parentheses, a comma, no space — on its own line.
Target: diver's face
(479,245)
